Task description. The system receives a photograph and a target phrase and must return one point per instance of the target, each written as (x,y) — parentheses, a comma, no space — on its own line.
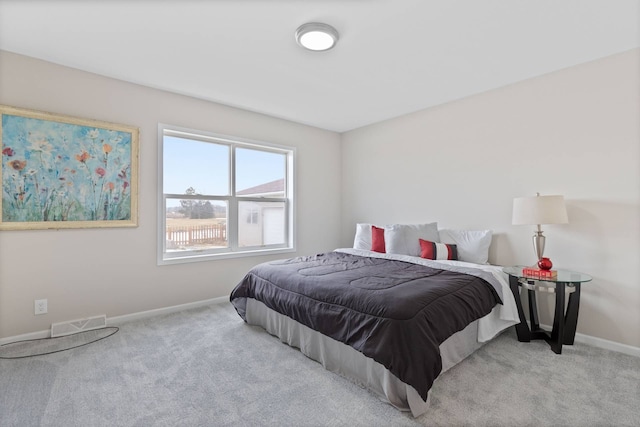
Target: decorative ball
(545,264)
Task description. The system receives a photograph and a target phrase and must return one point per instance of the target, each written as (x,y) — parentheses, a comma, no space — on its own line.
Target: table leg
(522,330)
(557,333)
(533,310)
(571,318)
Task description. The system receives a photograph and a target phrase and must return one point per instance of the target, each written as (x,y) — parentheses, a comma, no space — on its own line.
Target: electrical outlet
(40,306)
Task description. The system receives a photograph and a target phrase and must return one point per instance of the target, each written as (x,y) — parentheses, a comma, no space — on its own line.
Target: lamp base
(538,243)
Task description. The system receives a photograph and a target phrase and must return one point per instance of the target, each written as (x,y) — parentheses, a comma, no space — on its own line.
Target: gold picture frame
(64,172)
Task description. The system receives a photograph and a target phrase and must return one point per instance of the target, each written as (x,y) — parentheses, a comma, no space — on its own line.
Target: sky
(205,167)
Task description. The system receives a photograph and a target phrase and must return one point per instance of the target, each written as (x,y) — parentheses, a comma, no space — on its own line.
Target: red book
(549,274)
(536,273)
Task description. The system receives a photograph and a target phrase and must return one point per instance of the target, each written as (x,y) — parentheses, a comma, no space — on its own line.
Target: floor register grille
(55,344)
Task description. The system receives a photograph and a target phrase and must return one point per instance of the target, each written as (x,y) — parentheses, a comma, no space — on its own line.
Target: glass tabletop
(563,275)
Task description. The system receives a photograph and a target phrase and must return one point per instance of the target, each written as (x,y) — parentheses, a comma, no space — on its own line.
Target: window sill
(221,256)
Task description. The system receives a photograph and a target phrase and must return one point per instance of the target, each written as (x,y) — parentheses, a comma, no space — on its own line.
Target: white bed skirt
(350,363)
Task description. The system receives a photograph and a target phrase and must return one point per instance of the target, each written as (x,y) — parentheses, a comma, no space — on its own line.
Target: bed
(391,322)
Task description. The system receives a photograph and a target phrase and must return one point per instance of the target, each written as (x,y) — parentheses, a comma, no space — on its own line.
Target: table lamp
(538,210)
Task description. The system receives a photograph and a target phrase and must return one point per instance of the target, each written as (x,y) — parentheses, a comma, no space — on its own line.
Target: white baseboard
(119,320)
(608,345)
(601,343)
(27,337)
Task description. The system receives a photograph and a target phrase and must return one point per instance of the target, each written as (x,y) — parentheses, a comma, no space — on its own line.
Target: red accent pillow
(433,250)
(377,239)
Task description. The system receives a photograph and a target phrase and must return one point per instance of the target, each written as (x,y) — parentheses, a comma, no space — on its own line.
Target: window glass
(196,224)
(209,209)
(260,173)
(202,166)
(261,223)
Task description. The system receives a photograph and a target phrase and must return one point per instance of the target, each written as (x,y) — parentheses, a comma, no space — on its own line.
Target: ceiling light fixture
(316,36)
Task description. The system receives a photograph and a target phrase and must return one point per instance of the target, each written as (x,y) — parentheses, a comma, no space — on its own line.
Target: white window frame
(233,250)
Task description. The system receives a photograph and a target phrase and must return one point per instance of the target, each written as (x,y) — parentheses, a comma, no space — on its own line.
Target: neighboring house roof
(276,186)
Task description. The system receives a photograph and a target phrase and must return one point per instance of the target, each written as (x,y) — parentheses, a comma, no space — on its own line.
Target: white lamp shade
(539,210)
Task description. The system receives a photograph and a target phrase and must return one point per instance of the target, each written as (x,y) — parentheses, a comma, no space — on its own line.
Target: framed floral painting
(64,172)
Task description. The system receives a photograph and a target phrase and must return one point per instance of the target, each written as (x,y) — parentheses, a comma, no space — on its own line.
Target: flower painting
(62,172)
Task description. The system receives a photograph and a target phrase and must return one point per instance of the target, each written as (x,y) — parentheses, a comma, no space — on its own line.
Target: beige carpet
(205,367)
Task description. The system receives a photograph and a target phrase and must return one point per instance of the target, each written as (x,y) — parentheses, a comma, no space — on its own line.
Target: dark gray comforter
(395,312)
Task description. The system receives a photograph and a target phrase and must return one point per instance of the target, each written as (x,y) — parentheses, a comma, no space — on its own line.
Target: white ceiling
(393,57)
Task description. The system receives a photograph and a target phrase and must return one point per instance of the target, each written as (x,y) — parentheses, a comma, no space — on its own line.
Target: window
(222,196)
(252,215)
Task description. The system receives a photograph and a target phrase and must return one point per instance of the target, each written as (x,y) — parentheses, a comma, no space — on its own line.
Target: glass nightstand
(564,323)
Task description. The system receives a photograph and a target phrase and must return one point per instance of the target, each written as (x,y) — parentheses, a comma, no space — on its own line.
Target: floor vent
(61,329)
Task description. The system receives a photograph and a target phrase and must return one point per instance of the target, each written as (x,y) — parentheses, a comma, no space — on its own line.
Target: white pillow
(472,245)
(363,237)
(404,239)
